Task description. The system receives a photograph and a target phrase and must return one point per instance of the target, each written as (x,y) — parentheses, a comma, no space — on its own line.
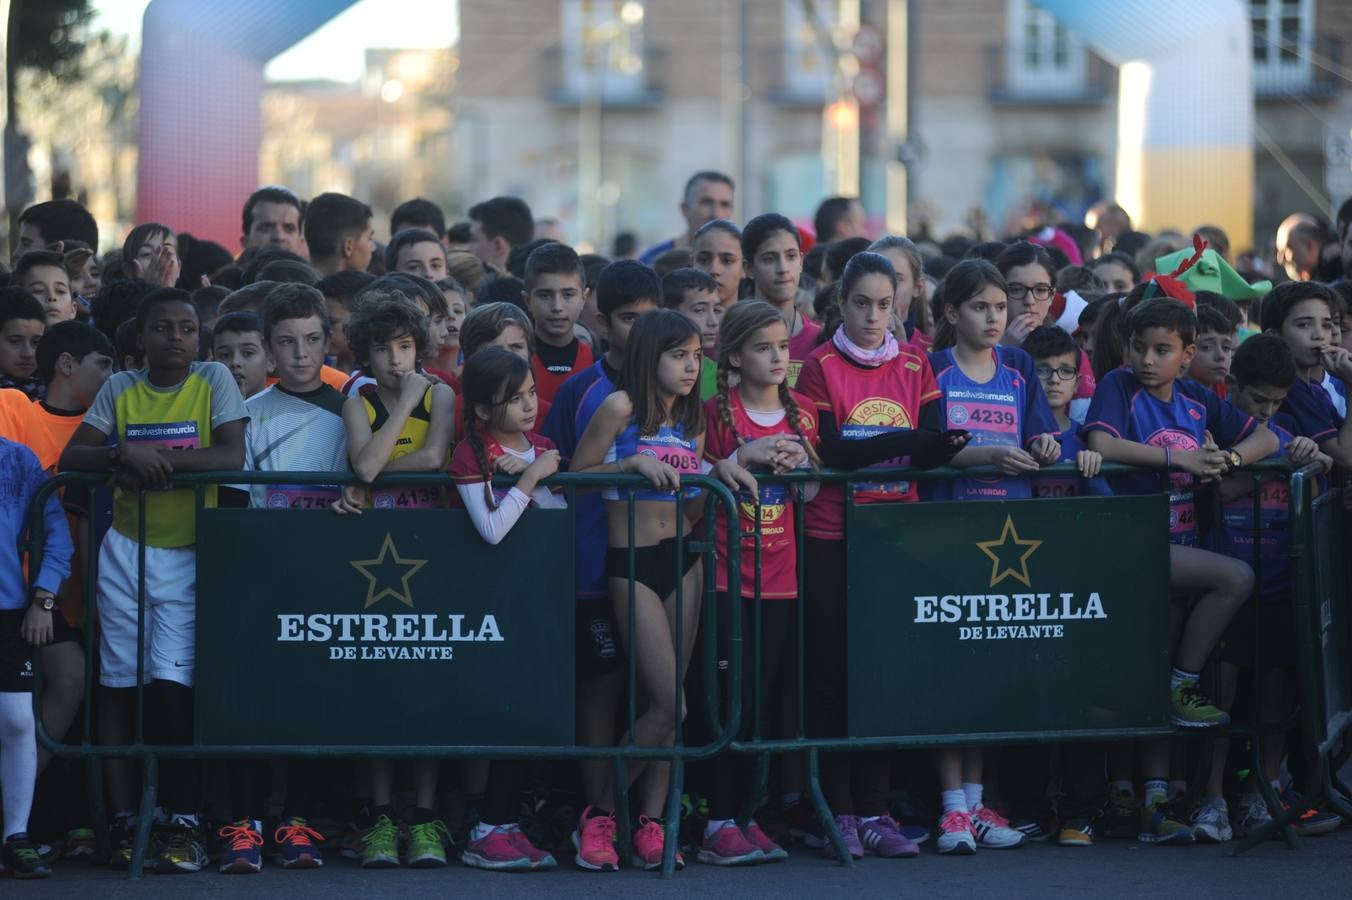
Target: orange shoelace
(241,837)
(301,835)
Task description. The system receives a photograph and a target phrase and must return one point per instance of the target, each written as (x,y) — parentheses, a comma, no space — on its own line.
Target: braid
(481,454)
(724,410)
(796,420)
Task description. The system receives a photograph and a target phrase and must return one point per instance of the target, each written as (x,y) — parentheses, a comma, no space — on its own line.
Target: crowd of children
(481,351)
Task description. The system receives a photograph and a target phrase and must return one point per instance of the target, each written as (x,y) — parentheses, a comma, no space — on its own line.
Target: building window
(603,48)
(1041,55)
(1283,39)
(808,67)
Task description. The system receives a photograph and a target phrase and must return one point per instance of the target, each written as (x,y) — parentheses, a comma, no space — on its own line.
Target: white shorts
(170,614)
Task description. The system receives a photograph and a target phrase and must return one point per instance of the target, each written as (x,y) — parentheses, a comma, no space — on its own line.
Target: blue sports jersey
(574,405)
(1123,408)
(1008,410)
(1336,388)
(1238,534)
(1308,405)
(1070,485)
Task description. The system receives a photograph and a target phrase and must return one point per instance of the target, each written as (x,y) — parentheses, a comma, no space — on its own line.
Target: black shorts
(63,632)
(654,566)
(16,654)
(1275,630)
(597,644)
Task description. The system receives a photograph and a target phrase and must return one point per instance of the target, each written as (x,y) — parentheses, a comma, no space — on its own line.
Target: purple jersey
(1009,410)
(1272,533)
(1123,408)
(1070,485)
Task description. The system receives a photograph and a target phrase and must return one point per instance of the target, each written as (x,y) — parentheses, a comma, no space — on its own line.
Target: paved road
(1110,869)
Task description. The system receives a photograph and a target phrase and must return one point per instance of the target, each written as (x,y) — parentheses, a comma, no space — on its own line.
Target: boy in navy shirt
(1146,414)
(1262,374)
(1301,313)
(1056,360)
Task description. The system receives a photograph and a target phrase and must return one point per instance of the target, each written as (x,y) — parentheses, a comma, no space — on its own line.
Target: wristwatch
(1233,459)
(114,454)
(44,600)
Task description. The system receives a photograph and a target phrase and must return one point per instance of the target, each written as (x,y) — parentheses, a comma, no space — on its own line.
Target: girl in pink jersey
(759,423)
(877,405)
(910,307)
(653,425)
(500,411)
(773,254)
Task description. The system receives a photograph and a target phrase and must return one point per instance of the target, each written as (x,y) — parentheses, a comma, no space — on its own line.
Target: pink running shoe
(756,835)
(496,851)
(955,834)
(595,843)
(539,859)
(729,847)
(649,842)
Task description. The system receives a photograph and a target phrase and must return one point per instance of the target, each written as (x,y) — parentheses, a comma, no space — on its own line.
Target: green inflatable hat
(1212,273)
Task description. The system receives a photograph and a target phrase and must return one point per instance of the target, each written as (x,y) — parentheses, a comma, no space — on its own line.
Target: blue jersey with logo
(574,406)
(1123,408)
(1070,485)
(1311,409)
(670,445)
(1239,534)
(1008,410)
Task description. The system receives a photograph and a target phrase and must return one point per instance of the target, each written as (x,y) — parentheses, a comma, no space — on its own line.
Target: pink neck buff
(870,358)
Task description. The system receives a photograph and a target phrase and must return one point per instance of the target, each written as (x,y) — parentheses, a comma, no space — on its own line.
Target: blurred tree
(48,35)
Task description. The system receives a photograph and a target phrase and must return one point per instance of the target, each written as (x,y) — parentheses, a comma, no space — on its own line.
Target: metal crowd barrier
(719,502)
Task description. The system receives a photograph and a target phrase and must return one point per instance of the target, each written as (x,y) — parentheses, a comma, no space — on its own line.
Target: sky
(336,50)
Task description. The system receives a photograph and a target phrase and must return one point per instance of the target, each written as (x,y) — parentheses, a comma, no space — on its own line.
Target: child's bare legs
(63,667)
(1229,686)
(382,783)
(597,700)
(657,670)
(114,728)
(425,773)
(1223,585)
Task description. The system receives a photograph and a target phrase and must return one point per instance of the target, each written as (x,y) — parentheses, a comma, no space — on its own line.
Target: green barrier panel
(406,619)
(1025,616)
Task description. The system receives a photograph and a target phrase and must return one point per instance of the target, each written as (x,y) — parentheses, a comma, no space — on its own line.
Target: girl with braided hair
(764,427)
(498,397)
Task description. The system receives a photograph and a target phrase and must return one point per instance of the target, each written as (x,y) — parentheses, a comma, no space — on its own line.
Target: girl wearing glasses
(1029,275)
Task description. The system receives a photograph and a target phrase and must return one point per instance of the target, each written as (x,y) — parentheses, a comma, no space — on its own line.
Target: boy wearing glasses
(1056,359)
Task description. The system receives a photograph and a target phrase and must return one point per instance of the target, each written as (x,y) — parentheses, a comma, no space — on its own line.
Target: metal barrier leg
(828,821)
(623,827)
(1281,820)
(146,815)
(672,821)
(760,780)
(94,796)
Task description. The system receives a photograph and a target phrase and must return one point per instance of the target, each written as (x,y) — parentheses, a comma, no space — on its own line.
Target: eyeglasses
(1018,291)
(1060,373)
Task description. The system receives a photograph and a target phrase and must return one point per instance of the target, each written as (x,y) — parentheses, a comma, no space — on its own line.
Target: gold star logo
(1009,546)
(375,571)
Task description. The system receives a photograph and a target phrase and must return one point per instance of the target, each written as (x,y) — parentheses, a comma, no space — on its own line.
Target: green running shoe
(1192,709)
(1159,825)
(380,845)
(427,844)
